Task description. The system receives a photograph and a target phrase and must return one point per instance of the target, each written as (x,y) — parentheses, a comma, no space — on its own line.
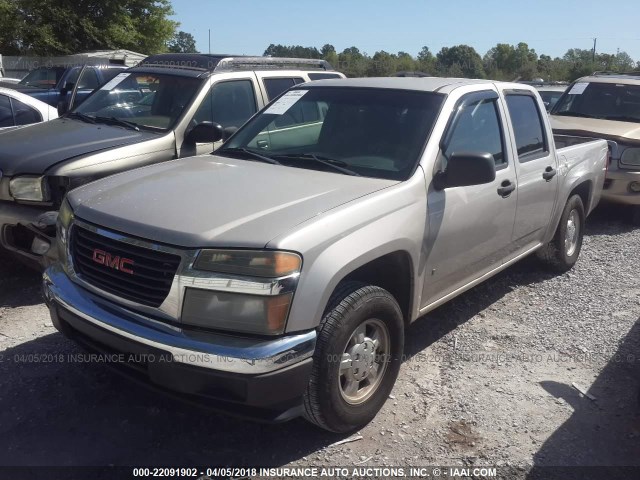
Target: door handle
(549,173)
(506,189)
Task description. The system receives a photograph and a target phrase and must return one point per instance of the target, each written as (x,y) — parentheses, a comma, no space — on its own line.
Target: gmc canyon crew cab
(279,273)
(607,105)
(171,106)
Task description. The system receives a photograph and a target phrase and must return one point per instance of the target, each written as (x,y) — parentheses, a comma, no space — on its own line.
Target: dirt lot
(489,379)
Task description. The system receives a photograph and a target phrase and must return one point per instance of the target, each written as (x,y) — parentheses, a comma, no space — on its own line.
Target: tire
(635,215)
(328,401)
(561,254)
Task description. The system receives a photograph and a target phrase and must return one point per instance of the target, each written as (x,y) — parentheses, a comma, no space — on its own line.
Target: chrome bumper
(223,353)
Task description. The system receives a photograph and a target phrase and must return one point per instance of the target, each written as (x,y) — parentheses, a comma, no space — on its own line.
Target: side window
(6,115)
(25,115)
(229,103)
(275,86)
(323,76)
(72,77)
(477,129)
(528,127)
(89,79)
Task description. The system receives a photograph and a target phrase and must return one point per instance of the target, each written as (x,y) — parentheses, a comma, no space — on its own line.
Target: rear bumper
(262,379)
(19,225)
(617,187)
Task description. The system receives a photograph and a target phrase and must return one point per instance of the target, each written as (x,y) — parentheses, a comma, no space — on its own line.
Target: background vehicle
(53,85)
(607,105)
(550,94)
(279,273)
(17,109)
(161,110)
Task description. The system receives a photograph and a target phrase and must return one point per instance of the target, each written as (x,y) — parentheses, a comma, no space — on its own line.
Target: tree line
(502,62)
(63,27)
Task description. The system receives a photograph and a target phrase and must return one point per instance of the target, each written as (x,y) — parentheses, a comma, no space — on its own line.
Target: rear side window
(528,127)
(25,115)
(275,86)
(477,130)
(6,115)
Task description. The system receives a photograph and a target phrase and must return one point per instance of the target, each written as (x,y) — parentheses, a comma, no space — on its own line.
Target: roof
(222,63)
(426,84)
(603,77)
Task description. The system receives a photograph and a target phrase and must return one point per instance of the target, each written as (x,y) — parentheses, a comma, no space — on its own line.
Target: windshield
(609,101)
(43,77)
(141,99)
(358,131)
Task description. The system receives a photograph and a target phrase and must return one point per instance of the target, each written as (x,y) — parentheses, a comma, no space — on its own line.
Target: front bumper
(617,187)
(20,224)
(253,377)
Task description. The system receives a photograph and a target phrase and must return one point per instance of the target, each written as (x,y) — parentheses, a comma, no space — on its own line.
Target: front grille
(153,271)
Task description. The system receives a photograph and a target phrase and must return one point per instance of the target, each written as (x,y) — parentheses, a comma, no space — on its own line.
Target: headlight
(249,263)
(631,156)
(65,216)
(244,312)
(237,312)
(33,189)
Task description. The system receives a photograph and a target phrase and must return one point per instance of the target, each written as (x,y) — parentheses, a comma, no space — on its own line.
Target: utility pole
(595,40)
(209,41)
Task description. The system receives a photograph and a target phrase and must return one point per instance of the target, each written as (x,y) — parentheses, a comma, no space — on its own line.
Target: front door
(470,228)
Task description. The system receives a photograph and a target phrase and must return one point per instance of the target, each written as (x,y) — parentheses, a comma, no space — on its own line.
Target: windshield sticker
(578,88)
(115,81)
(285,102)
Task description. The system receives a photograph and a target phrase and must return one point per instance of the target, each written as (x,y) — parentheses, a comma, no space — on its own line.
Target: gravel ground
(491,378)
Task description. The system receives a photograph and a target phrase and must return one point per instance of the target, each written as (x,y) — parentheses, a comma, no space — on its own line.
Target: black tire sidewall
(574,203)
(337,413)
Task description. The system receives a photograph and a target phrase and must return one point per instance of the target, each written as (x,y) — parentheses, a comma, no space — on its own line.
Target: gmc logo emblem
(117,263)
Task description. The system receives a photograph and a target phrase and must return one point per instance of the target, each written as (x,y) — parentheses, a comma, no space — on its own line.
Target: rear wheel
(357,358)
(561,253)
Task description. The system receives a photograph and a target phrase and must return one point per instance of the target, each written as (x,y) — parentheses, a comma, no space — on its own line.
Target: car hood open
(210,201)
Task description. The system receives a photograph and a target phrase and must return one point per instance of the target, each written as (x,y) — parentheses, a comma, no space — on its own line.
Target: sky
(550,27)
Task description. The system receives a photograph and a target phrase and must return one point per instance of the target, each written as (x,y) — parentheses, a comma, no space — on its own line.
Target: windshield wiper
(246,151)
(337,165)
(577,114)
(120,122)
(81,116)
(622,118)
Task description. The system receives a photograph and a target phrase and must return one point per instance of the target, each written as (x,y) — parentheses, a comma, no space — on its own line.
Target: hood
(607,129)
(210,201)
(34,149)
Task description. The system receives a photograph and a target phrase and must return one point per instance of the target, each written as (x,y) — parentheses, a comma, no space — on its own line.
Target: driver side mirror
(466,169)
(205,132)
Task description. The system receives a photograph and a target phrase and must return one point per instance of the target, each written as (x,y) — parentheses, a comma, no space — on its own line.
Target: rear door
(536,166)
(470,228)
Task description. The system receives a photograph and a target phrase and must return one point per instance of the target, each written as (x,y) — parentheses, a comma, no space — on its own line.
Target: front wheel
(561,253)
(357,358)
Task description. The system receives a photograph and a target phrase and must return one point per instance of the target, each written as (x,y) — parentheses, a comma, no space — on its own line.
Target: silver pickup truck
(276,277)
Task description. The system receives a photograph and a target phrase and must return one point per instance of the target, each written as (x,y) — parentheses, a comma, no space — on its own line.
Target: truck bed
(582,157)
